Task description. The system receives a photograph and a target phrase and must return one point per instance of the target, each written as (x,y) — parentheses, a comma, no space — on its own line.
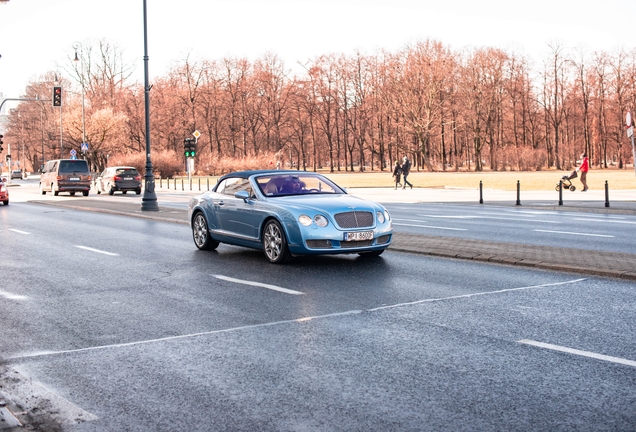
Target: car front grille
(355,244)
(383,239)
(354,219)
(319,244)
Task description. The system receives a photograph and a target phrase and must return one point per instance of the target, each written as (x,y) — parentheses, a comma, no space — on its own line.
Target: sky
(37,36)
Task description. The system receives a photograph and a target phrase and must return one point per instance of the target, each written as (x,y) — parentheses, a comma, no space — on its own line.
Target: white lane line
(493,217)
(574,233)
(258,284)
(275,323)
(578,352)
(96,250)
(187,336)
(475,294)
(19,232)
(11,296)
(432,227)
(606,221)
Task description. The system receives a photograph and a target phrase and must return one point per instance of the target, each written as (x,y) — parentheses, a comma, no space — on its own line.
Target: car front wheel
(201,234)
(275,244)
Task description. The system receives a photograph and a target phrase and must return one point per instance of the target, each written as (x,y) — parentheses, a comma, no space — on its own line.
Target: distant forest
(470,110)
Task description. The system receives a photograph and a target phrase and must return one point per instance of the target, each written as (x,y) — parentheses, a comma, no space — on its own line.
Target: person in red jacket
(583,169)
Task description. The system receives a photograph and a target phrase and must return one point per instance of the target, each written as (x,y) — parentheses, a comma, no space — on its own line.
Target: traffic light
(1,148)
(189,147)
(57,96)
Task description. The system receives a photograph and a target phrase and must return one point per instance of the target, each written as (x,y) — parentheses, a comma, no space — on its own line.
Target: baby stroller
(566,182)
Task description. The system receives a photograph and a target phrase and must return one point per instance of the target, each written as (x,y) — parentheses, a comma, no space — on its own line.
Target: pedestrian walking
(406,169)
(583,169)
(397,174)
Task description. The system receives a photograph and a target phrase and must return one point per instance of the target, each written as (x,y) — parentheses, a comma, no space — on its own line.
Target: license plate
(358,236)
(74,178)
(128,178)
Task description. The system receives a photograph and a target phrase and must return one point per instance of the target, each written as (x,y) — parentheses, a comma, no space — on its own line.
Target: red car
(4,191)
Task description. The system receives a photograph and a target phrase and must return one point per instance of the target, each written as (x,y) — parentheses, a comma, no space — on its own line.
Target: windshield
(73,166)
(273,185)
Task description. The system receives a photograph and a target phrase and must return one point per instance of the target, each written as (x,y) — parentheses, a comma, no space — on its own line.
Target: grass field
(529,180)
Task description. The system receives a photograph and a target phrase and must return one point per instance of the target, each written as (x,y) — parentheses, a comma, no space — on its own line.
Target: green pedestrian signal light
(189,148)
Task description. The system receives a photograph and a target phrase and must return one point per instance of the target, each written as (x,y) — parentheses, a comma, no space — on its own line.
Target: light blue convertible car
(288,213)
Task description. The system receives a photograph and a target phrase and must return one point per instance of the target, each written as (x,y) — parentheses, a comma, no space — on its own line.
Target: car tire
(111,189)
(72,193)
(42,191)
(85,193)
(370,254)
(201,234)
(138,191)
(5,202)
(274,243)
(53,191)
(124,192)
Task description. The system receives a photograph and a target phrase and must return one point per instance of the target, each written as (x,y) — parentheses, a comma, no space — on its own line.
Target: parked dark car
(121,178)
(65,175)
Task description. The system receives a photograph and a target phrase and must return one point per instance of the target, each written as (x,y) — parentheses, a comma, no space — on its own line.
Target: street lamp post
(77,46)
(149,200)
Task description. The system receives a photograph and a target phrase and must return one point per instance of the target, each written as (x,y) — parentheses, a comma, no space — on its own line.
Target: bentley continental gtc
(288,213)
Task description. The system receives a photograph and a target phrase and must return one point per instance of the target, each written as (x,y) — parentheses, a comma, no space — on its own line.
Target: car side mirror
(244,195)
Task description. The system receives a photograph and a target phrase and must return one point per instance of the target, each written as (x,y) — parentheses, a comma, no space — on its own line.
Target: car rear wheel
(6,202)
(111,189)
(201,234)
(274,243)
(72,193)
(42,191)
(85,193)
(138,191)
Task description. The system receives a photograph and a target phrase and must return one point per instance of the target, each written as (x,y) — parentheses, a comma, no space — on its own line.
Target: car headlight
(381,218)
(304,220)
(321,221)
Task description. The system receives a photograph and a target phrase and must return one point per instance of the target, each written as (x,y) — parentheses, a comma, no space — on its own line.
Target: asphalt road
(116,323)
(586,231)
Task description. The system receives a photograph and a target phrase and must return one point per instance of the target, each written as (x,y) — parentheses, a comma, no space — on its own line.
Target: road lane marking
(19,232)
(12,296)
(187,336)
(258,284)
(492,217)
(96,250)
(475,294)
(578,352)
(275,323)
(606,221)
(574,233)
(432,227)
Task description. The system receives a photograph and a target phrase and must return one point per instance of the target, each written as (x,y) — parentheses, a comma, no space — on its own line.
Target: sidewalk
(608,264)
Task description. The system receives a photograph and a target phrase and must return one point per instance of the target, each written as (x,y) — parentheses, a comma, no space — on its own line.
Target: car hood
(326,203)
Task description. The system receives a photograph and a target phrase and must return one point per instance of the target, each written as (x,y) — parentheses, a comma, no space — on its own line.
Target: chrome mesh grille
(354,219)
(355,244)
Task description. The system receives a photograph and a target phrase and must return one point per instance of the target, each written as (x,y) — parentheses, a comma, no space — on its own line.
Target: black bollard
(560,192)
(606,194)
(518,193)
(182,187)
(481,193)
